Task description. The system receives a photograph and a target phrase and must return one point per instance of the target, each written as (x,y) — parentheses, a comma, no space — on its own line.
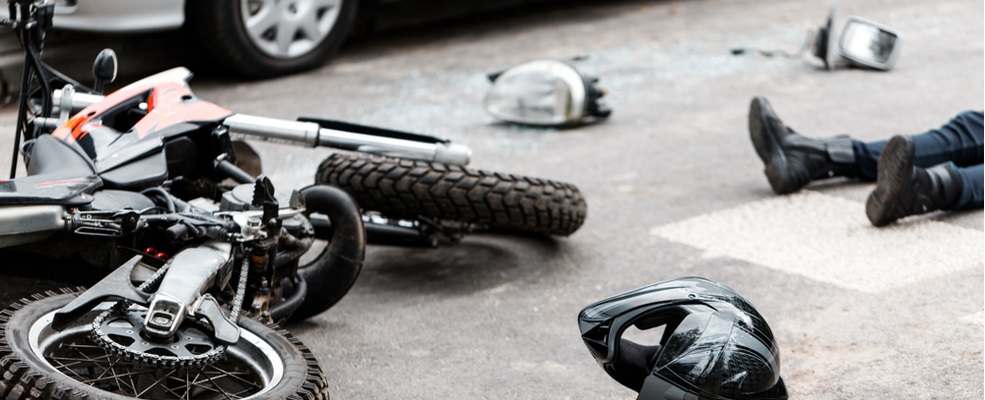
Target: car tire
(246,36)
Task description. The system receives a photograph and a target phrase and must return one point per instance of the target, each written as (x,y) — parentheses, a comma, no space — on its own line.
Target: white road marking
(829,239)
(975,318)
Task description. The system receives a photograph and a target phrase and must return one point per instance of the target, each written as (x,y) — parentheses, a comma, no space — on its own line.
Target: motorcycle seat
(57,173)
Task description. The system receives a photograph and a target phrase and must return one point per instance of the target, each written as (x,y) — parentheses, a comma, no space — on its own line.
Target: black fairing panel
(151,170)
(58,174)
(118,200)
(53,157)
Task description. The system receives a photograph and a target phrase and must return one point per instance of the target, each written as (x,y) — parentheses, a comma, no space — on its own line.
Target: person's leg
(904,189)
(867,158)
(958,141)
(971,188)
(792,160)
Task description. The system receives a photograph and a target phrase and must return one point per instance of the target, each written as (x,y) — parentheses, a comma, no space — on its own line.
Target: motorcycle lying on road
(191,261)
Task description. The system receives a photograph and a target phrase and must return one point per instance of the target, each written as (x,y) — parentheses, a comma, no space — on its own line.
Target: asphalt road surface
(674,189)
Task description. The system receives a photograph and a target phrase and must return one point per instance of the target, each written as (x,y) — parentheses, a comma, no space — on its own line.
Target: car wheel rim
(288,29)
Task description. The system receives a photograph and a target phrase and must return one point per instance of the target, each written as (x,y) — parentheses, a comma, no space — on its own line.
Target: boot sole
(894,179)
(757,129)
(768,147)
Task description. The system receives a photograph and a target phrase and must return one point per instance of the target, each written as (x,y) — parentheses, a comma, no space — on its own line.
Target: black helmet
(715,344)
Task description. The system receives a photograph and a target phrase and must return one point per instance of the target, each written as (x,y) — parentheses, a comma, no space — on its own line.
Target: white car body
(117,15)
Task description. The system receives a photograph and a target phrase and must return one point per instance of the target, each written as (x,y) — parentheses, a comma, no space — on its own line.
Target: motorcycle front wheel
(39,362)
(401,188)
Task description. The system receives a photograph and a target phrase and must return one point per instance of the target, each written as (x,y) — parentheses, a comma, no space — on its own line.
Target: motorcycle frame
(77,106)
(181,294)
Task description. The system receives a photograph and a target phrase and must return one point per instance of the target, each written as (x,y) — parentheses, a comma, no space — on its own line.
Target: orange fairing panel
(169,102)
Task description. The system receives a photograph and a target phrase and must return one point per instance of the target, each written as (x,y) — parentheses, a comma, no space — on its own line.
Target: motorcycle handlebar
(307,133)
(311,134)
(78,101)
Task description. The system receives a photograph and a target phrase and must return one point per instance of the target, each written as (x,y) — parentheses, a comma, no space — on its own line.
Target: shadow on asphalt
(478,263)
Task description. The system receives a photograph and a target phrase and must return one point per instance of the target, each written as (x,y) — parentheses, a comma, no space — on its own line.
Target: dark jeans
(958,142)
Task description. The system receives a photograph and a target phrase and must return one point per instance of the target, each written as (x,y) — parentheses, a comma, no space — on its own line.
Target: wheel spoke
(116,375)
(188,393)
(83,346)
(206,388)
(101,375)
(176,395)
(285,36)
(266,17)
(223,392)
(133,385)
(155,383)
(321,4)
(77,361)
(67,370)
(235,375)
(309,25)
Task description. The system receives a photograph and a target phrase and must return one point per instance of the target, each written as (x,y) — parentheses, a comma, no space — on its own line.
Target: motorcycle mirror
(862,43)
(869,44)
(545,93)
(104,69)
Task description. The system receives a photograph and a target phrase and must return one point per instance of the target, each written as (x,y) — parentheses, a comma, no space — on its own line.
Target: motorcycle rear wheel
(38,362)
(401,188)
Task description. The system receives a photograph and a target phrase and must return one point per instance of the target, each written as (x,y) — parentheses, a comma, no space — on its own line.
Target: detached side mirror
(545,93)
(869,44)
(862,43)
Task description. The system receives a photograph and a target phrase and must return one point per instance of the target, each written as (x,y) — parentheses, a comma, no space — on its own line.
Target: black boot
(793,160)
(902,189)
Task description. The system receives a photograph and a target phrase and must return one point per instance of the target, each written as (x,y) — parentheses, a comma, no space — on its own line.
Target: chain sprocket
(118,330)
(120,333)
